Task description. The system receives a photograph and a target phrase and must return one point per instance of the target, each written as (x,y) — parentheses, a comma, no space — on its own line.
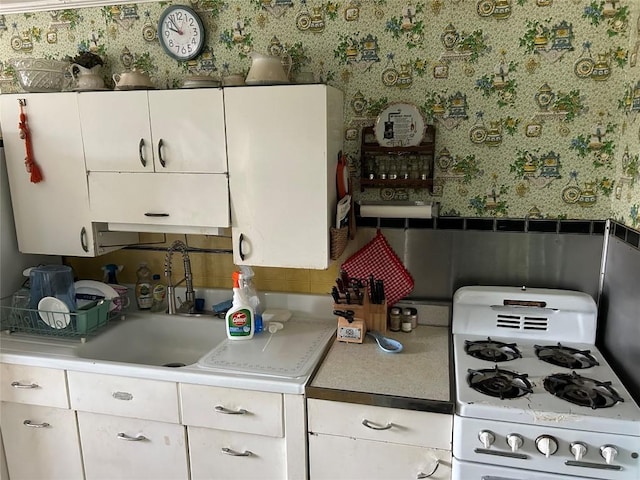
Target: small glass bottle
(406,320)
(394,319)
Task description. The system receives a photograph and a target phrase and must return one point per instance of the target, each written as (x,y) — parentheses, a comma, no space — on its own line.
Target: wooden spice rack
(419,160)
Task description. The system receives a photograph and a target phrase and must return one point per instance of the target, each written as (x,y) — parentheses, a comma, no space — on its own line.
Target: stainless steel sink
(157,340)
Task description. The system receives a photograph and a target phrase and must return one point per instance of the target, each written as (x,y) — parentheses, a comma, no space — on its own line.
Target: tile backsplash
(535,102)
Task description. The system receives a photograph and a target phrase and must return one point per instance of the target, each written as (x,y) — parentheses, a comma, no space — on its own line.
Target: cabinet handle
(84,241)
(28,423)
(24,385)
(128,438)
(427,475)
(162,162)
(233,453)
(374,426)
(240,242)
(140,147)
(151,214)
(221,409)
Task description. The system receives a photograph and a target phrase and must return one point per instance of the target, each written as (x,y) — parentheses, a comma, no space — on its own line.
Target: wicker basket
(339,239)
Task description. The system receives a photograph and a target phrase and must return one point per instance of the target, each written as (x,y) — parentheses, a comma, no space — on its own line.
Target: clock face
(181,32)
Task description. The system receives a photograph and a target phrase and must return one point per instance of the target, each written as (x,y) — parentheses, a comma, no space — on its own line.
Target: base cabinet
(349,441)
(40,442)
(218,454)
(130,448)
(333,458)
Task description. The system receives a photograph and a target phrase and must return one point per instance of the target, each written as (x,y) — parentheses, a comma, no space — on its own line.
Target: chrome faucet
(188,306)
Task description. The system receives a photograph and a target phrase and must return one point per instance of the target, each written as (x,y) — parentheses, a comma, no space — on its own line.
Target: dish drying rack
(86,321)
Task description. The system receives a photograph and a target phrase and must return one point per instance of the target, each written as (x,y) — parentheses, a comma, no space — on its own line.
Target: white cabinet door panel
(190,125)
(337,458)
(282,144)
(200,200)
(33,385)
(50,450)
(127,448)
(52,216)
(216,454)
(116,131)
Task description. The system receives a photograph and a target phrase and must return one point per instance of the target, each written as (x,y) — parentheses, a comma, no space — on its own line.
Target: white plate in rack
(54,312)
(94,290)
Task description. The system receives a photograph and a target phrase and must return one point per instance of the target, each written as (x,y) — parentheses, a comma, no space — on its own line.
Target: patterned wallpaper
(535,102)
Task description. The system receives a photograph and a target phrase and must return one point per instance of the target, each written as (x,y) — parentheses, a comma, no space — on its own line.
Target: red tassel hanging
(29,160)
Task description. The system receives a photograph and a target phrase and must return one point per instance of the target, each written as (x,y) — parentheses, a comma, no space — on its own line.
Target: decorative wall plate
(400,125)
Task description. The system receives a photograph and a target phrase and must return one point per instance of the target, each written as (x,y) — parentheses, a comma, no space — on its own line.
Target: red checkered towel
(377,258)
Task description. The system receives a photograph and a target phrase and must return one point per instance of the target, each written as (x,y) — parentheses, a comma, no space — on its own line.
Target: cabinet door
(115,131)
(52,216)
(217,454)
(41,442)
(282,144)
(177,202)
(128,448)
(188,130)
(335,458)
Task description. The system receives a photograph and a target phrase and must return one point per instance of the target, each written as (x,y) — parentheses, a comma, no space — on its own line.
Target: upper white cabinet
(163,131)
(283,143)
(157,160)
(52,216)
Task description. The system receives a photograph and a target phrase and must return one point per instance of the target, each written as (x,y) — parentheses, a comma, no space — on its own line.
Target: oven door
(479,471)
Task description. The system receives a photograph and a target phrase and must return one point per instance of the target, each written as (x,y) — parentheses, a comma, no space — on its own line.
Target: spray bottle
(251,295)
(239,320)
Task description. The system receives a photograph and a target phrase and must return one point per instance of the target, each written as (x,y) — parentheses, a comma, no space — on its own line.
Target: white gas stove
(535,399)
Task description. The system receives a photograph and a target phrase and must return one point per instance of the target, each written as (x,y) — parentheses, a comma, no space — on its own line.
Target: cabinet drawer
(47,446)
(33,385)
(214,407)
(128,448)
(406,426)
(125,396)
(167,199)
(216,454)
(336,458)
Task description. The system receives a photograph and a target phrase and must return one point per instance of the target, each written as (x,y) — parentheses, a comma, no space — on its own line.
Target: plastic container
(159,294)
(144,286)
(251,295)
(52,281)
(239,320)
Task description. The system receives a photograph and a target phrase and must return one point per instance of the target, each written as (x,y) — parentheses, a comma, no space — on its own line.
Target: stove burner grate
(563,356)
(582,391)
(500,383)
(492,350)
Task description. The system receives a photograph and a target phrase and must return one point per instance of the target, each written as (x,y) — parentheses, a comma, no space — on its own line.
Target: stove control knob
(515,441)
(579,450)
(546,445)
(486,438)
(609,453)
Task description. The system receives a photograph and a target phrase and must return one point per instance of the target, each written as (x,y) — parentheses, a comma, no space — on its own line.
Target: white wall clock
(181,32)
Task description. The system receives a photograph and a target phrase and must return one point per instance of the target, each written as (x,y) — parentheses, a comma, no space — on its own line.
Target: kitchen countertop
(418,378)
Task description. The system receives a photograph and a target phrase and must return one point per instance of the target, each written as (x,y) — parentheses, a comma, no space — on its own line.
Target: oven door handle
(497,453)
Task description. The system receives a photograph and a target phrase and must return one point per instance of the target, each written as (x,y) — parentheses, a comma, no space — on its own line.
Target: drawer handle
(374,426)
(29,423)
(128,438)
(233,453)
(221,409)
(151,214)
(427,475)
(24,385)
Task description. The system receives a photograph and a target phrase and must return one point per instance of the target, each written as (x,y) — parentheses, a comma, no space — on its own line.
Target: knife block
(373,317)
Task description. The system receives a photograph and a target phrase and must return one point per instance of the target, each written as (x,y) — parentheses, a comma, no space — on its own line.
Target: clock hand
(177,29)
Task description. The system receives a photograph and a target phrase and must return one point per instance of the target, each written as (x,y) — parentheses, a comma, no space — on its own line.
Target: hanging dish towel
(377,258)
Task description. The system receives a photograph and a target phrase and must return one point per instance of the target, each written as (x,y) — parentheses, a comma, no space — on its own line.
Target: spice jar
(394,319)
(414,318)
(406,320)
